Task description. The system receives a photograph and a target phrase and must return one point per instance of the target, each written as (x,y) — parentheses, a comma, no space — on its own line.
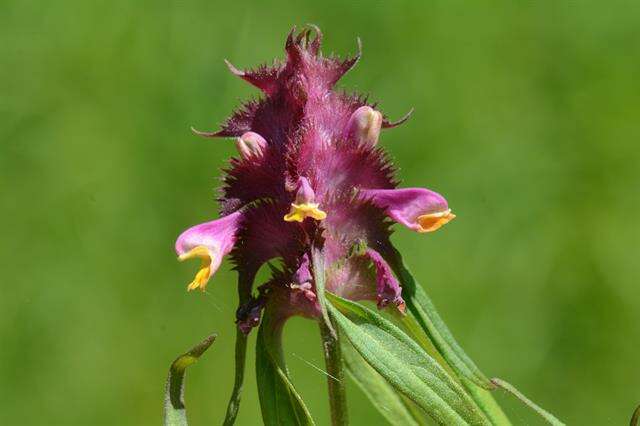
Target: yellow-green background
(526,118)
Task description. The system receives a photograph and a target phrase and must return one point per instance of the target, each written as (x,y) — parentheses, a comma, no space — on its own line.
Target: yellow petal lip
(299,212)
(198,251)
(434,221)
(204,273)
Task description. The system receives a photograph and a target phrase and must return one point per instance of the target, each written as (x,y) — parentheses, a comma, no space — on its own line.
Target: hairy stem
(335,378)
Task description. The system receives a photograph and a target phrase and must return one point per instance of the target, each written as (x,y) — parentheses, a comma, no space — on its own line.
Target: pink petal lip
(419,209)
(209,241)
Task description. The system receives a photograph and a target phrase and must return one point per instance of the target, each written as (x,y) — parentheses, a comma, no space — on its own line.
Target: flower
(210,242)
(417,208)
(310,177)
(304,205)
(388,287)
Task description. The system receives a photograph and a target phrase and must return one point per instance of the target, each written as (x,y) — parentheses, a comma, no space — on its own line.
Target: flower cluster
(309,174)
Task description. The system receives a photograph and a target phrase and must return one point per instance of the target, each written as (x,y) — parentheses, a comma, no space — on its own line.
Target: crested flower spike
(364,125)
(304,205)
(305,150)
(210,242)
(416,208)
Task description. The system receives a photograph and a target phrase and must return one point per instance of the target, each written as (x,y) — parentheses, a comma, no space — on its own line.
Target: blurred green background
(526,118)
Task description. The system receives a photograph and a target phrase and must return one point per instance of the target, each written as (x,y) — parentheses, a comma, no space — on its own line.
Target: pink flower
(416,208)
(210,242)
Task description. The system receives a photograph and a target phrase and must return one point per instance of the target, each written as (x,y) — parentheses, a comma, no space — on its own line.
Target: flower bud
(364,126)
(251,144)
(388,287)
(305,193)
(248,315)
(303,273)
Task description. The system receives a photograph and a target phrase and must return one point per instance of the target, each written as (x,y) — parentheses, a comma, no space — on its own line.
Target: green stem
(234,401)
(335,379)
(245,282)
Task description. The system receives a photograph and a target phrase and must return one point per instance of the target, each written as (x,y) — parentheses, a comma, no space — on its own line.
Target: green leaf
(480,395)
(404,364)
(550,418)
(234,401)
(317,260)
(424,313)
(174,410)
(427,316)
(411,326)
(382,395)
(279,401)
(635,417)
(487,403)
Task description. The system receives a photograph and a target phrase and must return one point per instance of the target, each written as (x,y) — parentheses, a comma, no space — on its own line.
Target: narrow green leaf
(174,410)
(281,405)
(381,394)
(317,260)
(487,403)
(550,418)
(234,401)
(427,316)
(423,311)
(483,398)
(404,364)
(635,417)
(334,364)
(409,324)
